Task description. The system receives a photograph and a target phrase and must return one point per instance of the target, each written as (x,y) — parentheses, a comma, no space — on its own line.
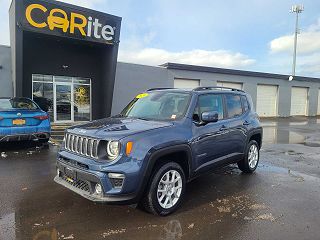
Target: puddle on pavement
(272,168)
(311,144)
(279,131)
(274,135)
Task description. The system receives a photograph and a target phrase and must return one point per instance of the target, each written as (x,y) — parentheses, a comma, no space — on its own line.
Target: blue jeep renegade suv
(161,140)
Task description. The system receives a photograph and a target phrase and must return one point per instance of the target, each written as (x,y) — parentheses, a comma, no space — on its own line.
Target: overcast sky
(252,35)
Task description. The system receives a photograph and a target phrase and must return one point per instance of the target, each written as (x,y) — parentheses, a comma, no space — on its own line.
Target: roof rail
(216,87)
(164,88)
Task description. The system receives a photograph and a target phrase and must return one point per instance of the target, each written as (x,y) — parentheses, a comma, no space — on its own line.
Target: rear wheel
(251,159)
(166,190)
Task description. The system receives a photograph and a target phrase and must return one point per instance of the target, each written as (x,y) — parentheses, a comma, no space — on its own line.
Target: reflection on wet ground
(225,205)
(292,130)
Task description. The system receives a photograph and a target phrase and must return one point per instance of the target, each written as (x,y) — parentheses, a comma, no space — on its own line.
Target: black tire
(244,165)
(150,202)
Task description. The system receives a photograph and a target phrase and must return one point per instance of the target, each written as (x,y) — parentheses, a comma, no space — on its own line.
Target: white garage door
(318,112)
(186,83)
(267,100)
(299,101)
(230,85)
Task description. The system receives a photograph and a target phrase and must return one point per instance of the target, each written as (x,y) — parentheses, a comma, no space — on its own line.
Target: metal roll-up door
(299,101)
(230,85)
(186,83)
(267,100)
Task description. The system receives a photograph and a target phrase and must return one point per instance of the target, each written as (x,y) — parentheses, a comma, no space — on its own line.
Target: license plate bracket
(70,173)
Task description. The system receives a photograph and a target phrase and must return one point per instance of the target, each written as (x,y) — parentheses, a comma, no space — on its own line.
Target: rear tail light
(41,117)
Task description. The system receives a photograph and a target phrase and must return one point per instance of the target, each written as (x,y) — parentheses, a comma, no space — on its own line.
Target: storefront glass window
(62,79)
(43,96)
(42,78)
(81,80)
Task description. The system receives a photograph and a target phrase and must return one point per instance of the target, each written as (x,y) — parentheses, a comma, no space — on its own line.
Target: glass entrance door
(66,99)
(63,102)
(81,96)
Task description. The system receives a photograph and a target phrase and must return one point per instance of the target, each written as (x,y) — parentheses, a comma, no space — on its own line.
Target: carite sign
(63,20)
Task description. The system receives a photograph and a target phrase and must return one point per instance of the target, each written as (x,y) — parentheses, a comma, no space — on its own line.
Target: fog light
(98,189)
(116,179)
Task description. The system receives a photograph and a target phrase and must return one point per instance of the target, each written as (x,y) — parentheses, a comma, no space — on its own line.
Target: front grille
(82,145)
(82,185)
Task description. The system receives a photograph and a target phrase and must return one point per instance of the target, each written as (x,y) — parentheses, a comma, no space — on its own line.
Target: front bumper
(121,199)
(80,179)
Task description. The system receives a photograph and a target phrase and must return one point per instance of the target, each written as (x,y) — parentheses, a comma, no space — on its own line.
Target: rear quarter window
(245,103)
(233,105)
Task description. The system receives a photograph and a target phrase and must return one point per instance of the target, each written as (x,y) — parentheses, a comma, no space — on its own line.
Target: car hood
(116,128)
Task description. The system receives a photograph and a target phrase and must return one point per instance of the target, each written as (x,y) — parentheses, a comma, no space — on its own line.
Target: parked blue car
(22,119)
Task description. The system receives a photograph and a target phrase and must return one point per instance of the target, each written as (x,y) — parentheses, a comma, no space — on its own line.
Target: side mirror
(208,117)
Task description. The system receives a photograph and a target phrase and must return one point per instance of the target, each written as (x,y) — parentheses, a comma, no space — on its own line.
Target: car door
(209,142)
(237,124)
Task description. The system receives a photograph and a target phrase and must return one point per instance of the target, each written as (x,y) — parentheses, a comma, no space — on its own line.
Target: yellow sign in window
(142,95)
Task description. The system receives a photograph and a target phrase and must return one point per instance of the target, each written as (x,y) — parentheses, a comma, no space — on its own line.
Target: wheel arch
(257,136)
(180,154)
(156,157)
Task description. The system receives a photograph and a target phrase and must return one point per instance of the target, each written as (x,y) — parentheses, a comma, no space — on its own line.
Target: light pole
(295,9)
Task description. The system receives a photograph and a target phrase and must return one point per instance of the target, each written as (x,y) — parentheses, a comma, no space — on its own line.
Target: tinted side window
(245,103)
(209,103)
(234,107)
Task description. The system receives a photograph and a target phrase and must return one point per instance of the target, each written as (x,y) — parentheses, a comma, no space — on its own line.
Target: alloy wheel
(253,156)
(169,189)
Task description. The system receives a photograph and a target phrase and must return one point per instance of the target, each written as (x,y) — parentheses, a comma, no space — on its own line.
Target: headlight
(113,149)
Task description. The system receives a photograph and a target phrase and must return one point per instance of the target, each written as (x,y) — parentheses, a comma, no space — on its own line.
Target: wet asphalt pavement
(281,200)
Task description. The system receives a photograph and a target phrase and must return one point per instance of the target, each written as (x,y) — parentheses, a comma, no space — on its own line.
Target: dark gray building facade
(64,57)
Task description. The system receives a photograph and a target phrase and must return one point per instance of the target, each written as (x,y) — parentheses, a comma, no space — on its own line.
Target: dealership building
(65,57)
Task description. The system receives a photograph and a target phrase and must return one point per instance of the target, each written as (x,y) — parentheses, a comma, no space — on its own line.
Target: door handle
(223,128)
(246,123)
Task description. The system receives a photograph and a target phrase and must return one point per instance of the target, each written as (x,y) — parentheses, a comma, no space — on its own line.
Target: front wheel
(166,190)
(251,159)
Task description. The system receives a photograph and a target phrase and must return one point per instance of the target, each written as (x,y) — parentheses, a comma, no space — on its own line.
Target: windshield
(158,106)
(17,103)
